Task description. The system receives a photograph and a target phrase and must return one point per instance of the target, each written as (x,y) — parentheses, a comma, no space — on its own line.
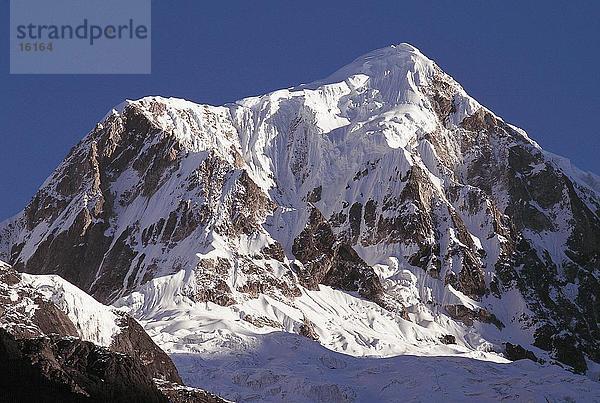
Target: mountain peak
(385,63)
(392,76)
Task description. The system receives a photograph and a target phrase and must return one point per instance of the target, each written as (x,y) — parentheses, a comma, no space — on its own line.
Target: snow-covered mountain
(381,211)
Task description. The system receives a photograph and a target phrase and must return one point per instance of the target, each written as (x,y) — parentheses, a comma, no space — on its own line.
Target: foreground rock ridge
(383,191)
(58,344)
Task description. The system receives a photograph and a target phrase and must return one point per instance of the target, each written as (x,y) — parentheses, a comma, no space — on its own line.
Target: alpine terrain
(374,236)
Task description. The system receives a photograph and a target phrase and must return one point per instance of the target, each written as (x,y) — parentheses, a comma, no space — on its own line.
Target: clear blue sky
(534,63)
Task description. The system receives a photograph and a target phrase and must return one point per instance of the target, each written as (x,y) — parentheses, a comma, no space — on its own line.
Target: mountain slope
(383,191)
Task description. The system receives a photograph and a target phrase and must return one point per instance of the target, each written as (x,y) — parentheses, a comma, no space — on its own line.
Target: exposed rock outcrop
(516,352)
(307,329)
(326,260)
(59,368)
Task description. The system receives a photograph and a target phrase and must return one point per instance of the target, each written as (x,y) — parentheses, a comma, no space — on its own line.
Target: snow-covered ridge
(94,321)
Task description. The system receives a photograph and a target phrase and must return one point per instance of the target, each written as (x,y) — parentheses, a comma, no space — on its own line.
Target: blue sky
(533,63)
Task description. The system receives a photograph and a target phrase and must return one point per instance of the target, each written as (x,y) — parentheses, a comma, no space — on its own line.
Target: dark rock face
(516,352)
(212,275)
(563,346)
(326,260)
(408,224)
(441,94)
(448,339)
(66,369)
(245,210)
(261,321)
(307,329)
(134,341)
(274,251)
(49,319)
(55,368)
(467,315)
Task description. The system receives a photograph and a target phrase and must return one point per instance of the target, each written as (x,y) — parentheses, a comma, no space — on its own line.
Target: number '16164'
(36,47)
